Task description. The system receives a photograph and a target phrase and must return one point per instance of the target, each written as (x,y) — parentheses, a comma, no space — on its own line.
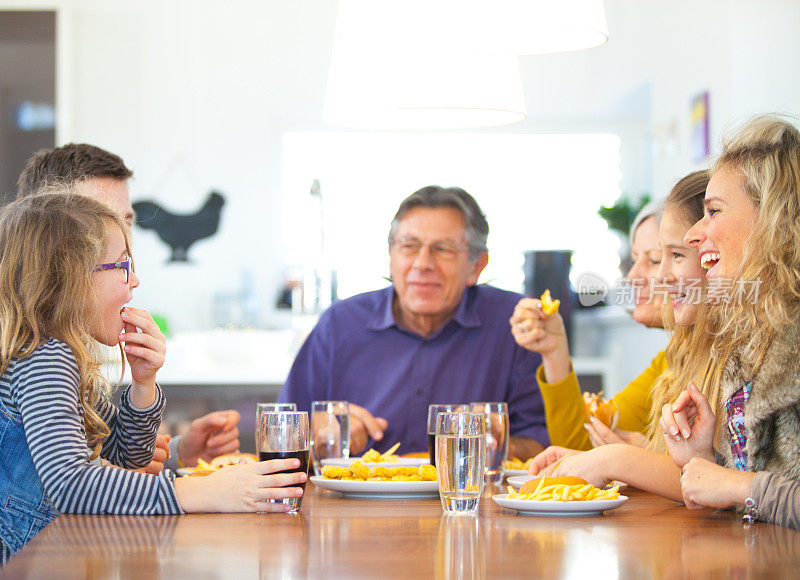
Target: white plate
(517,481)
(515,472)
(402,461)
(379,489)
(558,508)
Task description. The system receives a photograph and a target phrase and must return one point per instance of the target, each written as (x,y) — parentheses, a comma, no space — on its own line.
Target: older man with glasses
(434,336)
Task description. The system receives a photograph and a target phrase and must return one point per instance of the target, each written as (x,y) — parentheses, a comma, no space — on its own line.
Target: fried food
(232,459)
(549,306)
(388,456)
(561,489)
(360,472)
(517,463)
(606,411)
(206,467)
(531,485)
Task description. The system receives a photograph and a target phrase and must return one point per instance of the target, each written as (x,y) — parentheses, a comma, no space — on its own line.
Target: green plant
(620,216)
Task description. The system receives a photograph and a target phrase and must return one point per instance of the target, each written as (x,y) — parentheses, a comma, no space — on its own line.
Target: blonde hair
(687,353)
(49,246)
(765,155)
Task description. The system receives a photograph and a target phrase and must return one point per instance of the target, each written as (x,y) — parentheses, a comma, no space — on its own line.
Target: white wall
(197,94)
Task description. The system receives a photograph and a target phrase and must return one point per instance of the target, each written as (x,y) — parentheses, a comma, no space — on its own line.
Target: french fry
(576,492)
(549,306)
(388,456)
(391,450)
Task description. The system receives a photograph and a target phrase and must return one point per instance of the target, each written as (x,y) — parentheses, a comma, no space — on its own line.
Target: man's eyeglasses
(441,251)
(125,265)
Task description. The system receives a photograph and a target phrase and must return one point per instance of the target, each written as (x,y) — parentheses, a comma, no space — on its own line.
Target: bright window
(539,192)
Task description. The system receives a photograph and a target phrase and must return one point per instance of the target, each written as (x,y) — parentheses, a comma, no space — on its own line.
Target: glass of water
(330,431)
(262,408)
(460,460)
(434,410)
(496,438)
(284,435)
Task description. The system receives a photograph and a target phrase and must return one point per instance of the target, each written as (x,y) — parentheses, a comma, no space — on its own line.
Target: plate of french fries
(379,481)
(560,496)
(516,466)
(373,458)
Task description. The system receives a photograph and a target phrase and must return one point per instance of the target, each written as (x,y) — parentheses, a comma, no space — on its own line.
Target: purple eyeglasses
(124,265)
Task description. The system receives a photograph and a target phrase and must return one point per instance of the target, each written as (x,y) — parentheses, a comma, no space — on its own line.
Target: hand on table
(593,466)
(243,487)
(209,436)
(688,426)
(706,484)
(363,426)
(600,434)
(545,462)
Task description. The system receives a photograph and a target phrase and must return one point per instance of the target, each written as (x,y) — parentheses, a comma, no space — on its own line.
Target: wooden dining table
(337,537)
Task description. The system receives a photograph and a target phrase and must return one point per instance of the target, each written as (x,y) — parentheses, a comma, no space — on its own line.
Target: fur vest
(772,412)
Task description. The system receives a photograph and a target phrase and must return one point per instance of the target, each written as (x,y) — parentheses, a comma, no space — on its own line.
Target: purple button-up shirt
(358,353)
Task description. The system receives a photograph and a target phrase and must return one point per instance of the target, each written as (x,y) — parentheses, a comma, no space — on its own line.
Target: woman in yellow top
(538,332)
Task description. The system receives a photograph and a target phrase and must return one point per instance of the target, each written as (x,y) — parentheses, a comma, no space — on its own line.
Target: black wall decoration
(180,231)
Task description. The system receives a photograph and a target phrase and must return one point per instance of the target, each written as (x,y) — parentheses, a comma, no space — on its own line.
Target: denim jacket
(24,508)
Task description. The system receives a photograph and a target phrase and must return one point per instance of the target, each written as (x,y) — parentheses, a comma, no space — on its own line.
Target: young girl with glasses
(65,279)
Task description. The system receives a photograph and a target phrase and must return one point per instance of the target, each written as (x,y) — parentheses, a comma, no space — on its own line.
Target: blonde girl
(681,282)
(66,276)
(749,241)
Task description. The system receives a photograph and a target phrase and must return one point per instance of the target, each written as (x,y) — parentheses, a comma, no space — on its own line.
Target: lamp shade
(546,26)
(394,66)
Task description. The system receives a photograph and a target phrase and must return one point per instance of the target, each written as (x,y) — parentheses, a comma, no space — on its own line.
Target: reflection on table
(337,537)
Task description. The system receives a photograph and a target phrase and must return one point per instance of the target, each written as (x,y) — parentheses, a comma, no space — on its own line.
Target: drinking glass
(270,408)
(434,410)
(460,459)
(330,431)
(496,439)
(284,435)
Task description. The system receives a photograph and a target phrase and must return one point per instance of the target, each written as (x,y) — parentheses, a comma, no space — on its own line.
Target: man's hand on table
(210,436)
(363,426)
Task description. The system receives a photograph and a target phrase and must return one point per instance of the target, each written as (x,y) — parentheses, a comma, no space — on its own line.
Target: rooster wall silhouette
(179,232)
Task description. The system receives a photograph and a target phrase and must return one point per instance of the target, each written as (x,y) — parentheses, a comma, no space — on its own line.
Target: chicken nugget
(334,472)
(360,470)
(405,478)
(427,472)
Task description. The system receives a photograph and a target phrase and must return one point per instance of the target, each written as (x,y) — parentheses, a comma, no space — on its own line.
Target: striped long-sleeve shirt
(43,389)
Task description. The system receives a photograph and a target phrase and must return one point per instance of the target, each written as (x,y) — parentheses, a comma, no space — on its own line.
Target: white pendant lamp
(396,66)
(546,26)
